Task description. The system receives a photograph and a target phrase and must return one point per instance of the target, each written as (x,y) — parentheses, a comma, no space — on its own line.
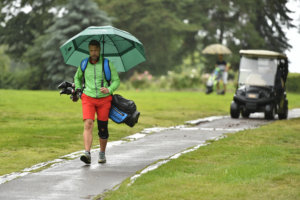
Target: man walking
(96,98)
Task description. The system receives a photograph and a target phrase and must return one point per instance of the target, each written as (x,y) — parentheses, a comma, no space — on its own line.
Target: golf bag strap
(83,65)
(105,69)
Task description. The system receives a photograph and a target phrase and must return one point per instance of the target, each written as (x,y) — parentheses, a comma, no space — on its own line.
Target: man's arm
(78,79)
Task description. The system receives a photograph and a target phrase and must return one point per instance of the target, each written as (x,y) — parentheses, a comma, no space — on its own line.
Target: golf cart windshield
(257,71)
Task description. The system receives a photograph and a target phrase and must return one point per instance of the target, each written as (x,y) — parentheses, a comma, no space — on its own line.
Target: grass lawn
(252,164)
(38,126)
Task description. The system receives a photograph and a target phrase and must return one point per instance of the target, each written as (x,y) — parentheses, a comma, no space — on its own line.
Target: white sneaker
(86,158)
(102,158)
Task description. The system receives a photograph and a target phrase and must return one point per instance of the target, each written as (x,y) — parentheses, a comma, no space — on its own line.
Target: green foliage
(293,82)
(49,62)
(141,81)
(21,29)
(188,79)
(244,25)
(170,31)
(156,24)
(5,75)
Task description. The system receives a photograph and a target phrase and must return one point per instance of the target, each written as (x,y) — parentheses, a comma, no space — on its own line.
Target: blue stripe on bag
(116,115)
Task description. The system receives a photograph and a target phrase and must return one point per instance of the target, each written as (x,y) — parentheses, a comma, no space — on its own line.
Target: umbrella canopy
(216,49)
(120,47)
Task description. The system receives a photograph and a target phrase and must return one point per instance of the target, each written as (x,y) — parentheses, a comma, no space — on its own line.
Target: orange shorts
(91,105)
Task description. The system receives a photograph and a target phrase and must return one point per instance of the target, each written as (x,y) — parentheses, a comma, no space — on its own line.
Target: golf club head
(63,91)
(65,84)
(68,90)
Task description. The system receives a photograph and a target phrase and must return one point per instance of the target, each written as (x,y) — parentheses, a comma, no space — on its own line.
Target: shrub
(141,81)
(293,82)
(189,78)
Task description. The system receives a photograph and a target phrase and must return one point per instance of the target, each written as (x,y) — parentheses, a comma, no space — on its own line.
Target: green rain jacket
(93,76)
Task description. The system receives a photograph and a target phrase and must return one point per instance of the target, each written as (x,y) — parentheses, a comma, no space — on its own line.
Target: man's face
(220,57)
(94,52)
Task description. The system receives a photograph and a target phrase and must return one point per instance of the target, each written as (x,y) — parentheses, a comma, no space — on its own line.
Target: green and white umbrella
(120,47)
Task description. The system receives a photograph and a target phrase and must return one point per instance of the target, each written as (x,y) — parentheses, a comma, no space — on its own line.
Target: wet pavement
(74,180)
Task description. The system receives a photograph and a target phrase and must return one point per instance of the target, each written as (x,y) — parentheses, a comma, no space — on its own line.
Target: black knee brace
(102,129)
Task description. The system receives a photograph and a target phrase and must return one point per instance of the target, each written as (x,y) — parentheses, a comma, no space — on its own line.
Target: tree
(45,53)
(20,30)
(239,25)
(5,75)
(156,24)
(170,30)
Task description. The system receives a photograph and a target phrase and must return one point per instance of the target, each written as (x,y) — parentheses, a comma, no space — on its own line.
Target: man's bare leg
(88,134)
(218,86)
(88,140)
(103,143)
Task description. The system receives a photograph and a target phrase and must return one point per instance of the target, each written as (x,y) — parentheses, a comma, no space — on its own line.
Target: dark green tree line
(156,24)
(20,29)
(77,17)
(237,24)
(42,53)
(170,30)
(249,24)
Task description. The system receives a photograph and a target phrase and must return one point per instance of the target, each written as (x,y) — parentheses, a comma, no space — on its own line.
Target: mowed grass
(254,164)
(38,126)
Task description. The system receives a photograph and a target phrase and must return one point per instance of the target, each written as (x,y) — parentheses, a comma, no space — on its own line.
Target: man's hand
(78,92)
(74,97)
(104,90)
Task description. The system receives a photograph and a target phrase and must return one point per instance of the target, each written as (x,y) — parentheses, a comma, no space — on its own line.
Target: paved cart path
(74,180)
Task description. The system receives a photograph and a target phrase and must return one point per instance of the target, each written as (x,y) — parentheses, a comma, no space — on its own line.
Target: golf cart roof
(262,53)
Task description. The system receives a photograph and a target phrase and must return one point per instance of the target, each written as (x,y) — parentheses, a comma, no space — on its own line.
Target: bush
(293,82)
(189,78)
(141,81)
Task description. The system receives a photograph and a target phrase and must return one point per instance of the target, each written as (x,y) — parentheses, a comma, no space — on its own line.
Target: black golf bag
(123,110)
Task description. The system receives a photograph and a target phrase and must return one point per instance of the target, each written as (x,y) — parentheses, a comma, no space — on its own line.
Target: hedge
(293,82)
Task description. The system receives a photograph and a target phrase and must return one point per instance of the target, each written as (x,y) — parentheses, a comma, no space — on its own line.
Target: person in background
(223,76)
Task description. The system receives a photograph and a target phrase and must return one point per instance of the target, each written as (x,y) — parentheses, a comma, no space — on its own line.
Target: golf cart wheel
(234,110)
(284,114)
(245,114)
(269,111)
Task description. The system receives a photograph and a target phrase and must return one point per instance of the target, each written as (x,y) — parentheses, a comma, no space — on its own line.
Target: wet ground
(74,180)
